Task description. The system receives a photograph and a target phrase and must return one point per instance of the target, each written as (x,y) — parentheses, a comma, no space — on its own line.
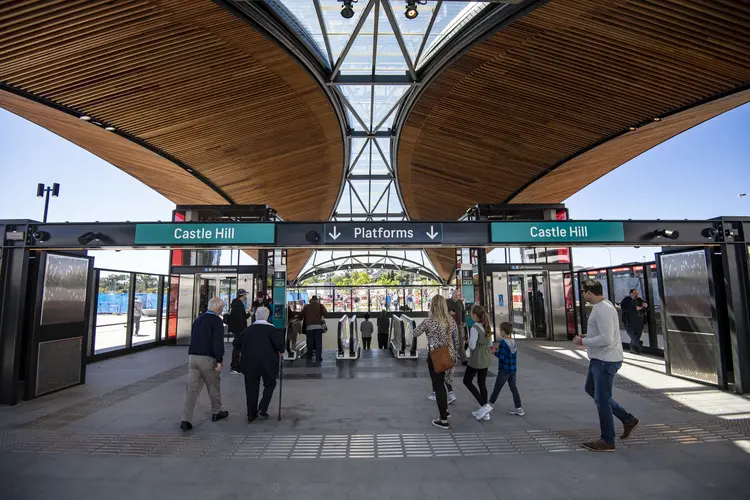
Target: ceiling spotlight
(657,119)
(347,12)
(85,118)
(109,128)
(631,129)
(411,9)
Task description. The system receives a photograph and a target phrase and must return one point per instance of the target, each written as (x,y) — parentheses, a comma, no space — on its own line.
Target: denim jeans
(635,332)
(503,377)
(599,384)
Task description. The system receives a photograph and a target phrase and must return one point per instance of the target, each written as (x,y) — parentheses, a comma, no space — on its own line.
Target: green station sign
(212,233)
(557,232)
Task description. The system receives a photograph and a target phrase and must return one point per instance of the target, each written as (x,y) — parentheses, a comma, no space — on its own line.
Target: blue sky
(696,175)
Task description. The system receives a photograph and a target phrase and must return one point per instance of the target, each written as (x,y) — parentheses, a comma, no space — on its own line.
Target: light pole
(610,255)
(42,191)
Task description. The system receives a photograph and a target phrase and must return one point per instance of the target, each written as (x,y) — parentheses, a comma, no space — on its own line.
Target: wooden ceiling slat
(193,81)
(556,82)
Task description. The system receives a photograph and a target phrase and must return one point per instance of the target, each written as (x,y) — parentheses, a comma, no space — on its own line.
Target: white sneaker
(478,412)
(234,372)
(517,411)
(451,398)
(432,397)
(486,416)
(483,411)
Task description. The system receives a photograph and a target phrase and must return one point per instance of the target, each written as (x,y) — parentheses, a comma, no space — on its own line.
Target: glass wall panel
(112,311)
(145,308)
(343,300)
(164,308)
(377,299)
(325,296)
(361,299)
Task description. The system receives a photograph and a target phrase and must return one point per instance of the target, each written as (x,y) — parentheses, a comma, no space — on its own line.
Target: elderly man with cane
(261,345)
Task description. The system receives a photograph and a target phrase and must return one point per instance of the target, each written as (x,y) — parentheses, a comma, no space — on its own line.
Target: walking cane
(281,372)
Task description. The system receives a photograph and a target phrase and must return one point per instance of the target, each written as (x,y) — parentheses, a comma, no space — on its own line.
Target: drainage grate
(364,446)
(64,416)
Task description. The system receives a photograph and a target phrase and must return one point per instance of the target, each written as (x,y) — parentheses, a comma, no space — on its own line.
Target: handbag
(323,321)
(441,358)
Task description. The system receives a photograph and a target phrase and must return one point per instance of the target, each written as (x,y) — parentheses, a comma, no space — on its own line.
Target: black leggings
(481,374)
(438,385)
(366,343)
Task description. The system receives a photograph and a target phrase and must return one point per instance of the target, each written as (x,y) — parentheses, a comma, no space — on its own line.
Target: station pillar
(279,288)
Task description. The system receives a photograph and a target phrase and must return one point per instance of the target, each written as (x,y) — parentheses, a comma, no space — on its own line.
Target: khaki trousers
(201,370)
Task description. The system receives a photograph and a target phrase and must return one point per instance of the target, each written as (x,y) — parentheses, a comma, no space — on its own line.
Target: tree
(114,283)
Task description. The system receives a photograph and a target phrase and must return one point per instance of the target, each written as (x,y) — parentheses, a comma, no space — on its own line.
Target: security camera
(312,236)
(40,236)
(671,234)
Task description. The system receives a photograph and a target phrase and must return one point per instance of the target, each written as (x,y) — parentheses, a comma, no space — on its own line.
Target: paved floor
(363,431)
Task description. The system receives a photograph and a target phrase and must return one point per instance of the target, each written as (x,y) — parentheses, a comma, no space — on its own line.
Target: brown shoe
(629,428)
(599,446)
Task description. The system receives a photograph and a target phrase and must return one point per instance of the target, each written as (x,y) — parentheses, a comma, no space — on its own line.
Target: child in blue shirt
(506,352)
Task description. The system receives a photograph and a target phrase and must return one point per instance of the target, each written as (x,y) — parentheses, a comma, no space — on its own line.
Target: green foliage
(114,283)
(120,283)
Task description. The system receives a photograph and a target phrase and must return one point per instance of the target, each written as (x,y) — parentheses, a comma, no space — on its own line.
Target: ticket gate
(295,348)
(349,345)
(403,343)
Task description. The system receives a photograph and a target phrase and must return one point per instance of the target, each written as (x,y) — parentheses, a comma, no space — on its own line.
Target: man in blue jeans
(604,348)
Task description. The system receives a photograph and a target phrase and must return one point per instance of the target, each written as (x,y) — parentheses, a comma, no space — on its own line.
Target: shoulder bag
(441,358)
(323,320)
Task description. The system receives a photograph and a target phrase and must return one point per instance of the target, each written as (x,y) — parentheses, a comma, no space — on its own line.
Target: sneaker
(432,397)
(252,419)
(447,414)
(517,411)
(486,416)
(234,372)
(483,411)
(478,412)
(263,415)
(441,424)
(451,398)
(185,426)
(219,416)
(629,428)
(598,446)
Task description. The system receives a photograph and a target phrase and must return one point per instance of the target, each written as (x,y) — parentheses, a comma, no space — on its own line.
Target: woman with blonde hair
(441,331)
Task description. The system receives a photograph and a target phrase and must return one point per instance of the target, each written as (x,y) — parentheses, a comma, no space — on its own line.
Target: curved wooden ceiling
(529,114)
(187,79)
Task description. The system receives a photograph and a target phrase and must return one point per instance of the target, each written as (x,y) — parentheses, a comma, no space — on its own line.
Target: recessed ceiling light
(85,118)
(631,128)
(190,170)
(97,123)
(109,129)
(657,119)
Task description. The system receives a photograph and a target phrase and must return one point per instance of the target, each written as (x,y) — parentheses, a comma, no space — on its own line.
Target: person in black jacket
(261,300)
(237,323)
(633,312)
(261,345)
(384,328)
(205,356)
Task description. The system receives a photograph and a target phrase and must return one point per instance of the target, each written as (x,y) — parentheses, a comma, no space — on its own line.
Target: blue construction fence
(118,303)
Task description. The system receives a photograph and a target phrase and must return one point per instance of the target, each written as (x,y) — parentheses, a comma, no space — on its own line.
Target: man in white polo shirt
(604,348)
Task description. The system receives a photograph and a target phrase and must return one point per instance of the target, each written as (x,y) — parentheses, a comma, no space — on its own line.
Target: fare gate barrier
(403,343)
(349,345)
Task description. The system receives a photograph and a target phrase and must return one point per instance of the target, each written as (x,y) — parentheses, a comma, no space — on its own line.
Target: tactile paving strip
(64,416)
(363,446)
(658,396)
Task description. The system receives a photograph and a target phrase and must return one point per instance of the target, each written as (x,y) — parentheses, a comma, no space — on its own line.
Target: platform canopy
(375,116)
